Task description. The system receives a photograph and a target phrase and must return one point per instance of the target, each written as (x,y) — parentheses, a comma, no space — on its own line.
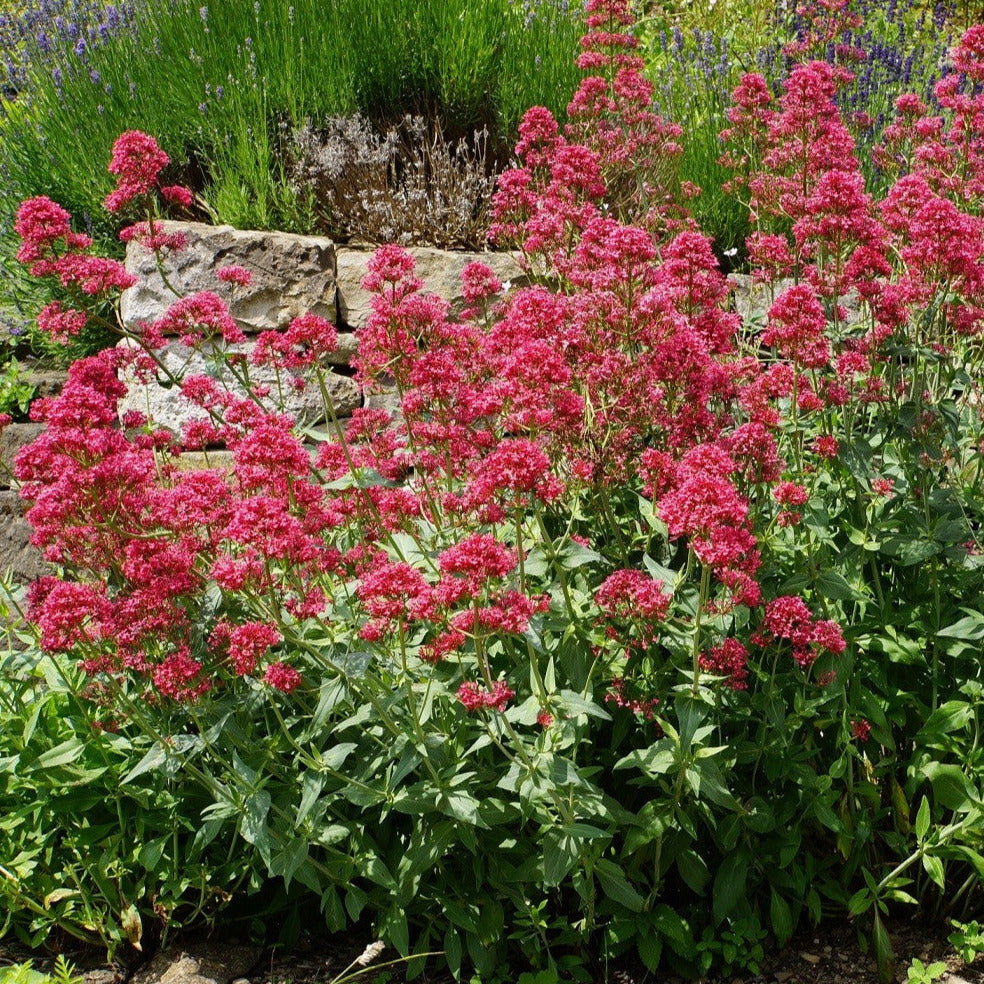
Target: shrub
(643,625)
(409,186)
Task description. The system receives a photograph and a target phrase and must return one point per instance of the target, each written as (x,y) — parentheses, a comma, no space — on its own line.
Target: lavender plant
(694,62)
(47,35)
(410,185)
(211,78)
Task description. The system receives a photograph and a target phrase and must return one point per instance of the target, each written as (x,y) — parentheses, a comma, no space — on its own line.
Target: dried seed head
(370,953)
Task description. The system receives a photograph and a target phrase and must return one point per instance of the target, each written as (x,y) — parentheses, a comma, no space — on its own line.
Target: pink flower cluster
(137,162)
(789,618)
(535,433)
(729,660)
(474,697)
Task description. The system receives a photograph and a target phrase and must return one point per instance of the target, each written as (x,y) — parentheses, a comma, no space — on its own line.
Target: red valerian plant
(612,526)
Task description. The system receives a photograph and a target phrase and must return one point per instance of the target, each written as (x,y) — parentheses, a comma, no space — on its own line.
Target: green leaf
(690,713)
(150,854)
(897,647)
(286,862)
(951,787)
(969,629)
(311,786)
(834,586)
(860,902)
(782,918)
(616,887)
(884,955)
(729,885)
(693,870)
(453,951)
(334,757)
(575,704)
(396,930)
(66,753)
(934,868)
(576,555)
(560,854)
(463,806)
(654,761)
(355,902)
(650,948)
(153,760)
(374,869)
(949,717)
(712,785)
(908,549)
(252,824)
(922,819)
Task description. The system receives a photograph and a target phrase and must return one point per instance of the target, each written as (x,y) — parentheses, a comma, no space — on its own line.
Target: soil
(832,956)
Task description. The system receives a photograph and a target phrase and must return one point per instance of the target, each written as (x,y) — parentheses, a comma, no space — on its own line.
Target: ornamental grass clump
(641,625)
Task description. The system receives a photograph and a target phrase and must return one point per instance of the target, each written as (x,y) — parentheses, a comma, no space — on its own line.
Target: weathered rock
(439,269)
(101,975)
(18,558)
(12,438)
(384,399)
(348,344)
(200,460)
(46,382)
(169,408)
(207,963)
(752,301)
(292,275)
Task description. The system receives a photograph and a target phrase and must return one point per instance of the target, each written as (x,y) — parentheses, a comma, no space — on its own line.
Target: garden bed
(596,621)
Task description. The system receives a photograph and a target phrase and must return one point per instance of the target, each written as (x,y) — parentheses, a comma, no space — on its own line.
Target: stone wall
(17,557)
(291,275)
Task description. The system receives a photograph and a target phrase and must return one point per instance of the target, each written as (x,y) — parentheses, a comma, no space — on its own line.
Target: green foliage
(16,393)
(967,939)
(215,89)
(81,848)
(920,973)
(61,972)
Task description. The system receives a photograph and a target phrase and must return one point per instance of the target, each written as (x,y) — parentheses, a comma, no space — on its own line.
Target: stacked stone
(291,275)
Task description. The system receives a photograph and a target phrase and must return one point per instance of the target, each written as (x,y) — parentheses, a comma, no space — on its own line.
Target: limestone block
(292,275)
(12,438)
(17,557)
(206,963)
(752,301)
(347,346)
(439,269)
(165,404)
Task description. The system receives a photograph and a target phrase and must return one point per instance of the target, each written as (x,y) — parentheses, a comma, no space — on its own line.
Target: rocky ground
(832,957)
